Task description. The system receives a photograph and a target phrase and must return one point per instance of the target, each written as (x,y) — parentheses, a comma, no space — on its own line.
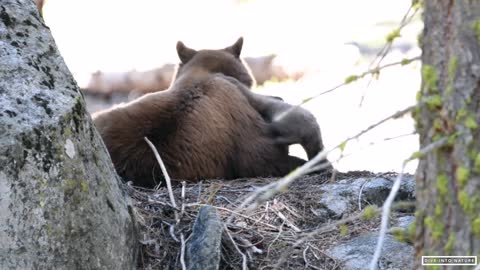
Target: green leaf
(351,79)
(393,35)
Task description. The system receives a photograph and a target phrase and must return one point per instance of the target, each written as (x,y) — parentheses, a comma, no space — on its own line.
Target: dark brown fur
(203,127)
(288,124)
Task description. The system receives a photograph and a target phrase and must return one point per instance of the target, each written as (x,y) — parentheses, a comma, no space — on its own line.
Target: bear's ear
(236,48)
(184,52)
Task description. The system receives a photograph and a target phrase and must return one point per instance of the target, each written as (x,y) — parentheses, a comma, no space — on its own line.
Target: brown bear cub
(288,124)
(206,125)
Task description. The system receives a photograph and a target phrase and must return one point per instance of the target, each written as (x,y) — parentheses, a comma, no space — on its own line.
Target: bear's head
(225,61)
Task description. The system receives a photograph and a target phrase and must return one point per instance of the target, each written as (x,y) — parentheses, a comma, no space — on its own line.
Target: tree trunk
(448,186)
(61,203)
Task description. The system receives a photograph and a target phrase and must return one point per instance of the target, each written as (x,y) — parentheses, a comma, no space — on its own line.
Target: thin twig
(362,75)
(386,48)
(234,213)
(266,192)
(182,252)
(199,190)
(385,214)
(326,255)
(393,116)
(225,199)
(400,136)
(363,148)
(182,209)
(309,235)
(295,214)
(171,231)
(249,245)
(289,224)
(164,171)
(360,194)
(391,196)
(280,230)
(307,264)
(169,188)
(244,258)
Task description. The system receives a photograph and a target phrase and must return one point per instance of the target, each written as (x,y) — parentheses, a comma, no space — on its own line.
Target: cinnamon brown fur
(202,126)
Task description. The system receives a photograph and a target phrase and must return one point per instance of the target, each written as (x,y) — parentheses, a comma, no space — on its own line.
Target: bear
(203,126)
(289,124)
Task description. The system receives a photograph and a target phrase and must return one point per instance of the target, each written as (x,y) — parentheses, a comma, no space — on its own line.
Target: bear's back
(217,128)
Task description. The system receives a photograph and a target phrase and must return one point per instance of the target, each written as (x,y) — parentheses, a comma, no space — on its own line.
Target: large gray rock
(203,248)
(357,253)
(61,203)
(342,197)
(404,222)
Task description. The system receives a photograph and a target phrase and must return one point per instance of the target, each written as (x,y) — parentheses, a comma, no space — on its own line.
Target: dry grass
(262,235)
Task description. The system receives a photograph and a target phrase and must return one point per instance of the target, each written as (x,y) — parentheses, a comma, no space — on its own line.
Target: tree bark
(61,203)
(448,179)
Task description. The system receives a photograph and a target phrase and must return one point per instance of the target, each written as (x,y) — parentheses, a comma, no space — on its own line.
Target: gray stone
(376,190)
(357,253)
(203,248)
(61,203)
(337,199)
(404,222)
(342,197)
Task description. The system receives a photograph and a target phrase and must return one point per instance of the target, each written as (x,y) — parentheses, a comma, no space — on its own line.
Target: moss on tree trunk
(448,179)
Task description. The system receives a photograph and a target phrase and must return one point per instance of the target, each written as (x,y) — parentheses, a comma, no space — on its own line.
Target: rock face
(61,203)
(203,248)
(342,197)
(404,222)
(357,253)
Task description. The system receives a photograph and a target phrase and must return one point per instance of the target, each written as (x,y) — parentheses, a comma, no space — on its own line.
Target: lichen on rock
(59,209)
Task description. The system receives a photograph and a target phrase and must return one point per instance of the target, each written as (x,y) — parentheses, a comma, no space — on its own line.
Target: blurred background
(117,50)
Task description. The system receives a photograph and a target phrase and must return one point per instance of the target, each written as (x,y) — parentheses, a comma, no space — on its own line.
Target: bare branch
(407,18)
(233,213)
(266,192)
(307,264)
(165,175)
(164,171)
(386,48)
(244,258)
(182,252)
(360,194)
(286,221)
(280,230)
(347,81)
(182,209)
(311,234)
(391,196)
(385,213)
(171,231)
